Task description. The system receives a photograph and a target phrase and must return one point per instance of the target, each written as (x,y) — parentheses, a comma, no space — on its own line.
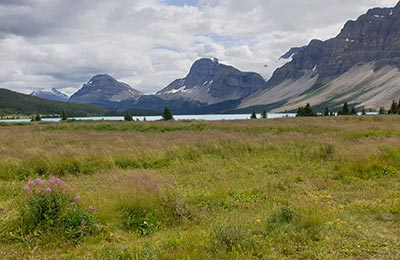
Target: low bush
(232,238)
(51,206)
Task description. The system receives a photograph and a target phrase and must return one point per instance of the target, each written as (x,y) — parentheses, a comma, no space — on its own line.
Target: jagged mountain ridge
(324,71)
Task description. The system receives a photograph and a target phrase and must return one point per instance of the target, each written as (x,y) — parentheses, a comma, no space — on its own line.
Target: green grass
(318,188)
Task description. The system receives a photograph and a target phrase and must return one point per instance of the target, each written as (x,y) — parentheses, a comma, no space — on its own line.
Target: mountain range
(359,66)
(53,94)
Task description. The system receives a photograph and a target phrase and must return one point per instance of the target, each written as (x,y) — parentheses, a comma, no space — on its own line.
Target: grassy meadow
(303,188)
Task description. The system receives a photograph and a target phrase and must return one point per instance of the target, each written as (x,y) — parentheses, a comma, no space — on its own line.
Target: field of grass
(304,188)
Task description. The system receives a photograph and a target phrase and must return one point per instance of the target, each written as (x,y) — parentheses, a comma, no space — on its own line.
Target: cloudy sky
(149,43)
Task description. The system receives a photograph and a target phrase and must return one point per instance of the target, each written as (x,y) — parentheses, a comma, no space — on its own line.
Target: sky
(61,44)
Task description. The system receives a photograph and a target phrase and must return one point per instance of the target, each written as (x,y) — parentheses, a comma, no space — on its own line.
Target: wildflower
(77,198)
(59,182)
(48,190)
(83,223)
(52,181)
(27,188)
(258,220)
(39,182)
(359,227)
(30,182)
(56,182)
(91,208)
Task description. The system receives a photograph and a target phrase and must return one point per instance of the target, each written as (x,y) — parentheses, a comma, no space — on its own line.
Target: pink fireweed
(39,182)
(48,190)
(91,208)
(27,188)
(31,182)
(56,182)
(77,198)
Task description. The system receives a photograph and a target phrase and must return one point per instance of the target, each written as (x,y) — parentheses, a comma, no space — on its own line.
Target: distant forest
(13,103)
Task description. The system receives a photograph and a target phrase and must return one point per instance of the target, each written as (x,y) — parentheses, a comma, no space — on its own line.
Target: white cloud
(147,43)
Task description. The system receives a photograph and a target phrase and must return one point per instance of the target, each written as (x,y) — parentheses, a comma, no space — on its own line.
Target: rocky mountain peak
(201,71)
(210,82)
(103,89)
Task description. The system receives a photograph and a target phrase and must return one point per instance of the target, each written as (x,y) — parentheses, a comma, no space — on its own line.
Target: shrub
(128,116)
(51,205)
(232,237)
(78,222)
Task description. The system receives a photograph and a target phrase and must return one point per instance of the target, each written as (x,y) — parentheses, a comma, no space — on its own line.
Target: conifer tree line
(394,108)
(345,110)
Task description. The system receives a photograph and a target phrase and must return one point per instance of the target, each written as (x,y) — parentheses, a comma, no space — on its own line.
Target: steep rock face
(54,95)
(210,82)
(374,38)
(103,90)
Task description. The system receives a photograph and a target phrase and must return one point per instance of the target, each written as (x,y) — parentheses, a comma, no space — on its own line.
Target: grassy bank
(317,188)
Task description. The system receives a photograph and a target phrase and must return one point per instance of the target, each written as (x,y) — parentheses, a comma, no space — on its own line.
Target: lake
(155,118)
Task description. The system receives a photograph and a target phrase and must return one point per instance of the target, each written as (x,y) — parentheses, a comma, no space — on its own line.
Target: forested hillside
(16,103)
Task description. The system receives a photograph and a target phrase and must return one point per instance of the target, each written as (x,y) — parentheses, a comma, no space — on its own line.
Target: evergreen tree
(398,107)
(264,114)
(308,111)
(326,113)
(363,111)
(345,110)
(300,112)
(382,111)
(128,116)
(393,108)
(305,111)
(38,118)
(63,116)
(253,115)
(167,115)
(353,111)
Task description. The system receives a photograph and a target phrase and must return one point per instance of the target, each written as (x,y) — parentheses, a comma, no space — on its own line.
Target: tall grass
(318,188)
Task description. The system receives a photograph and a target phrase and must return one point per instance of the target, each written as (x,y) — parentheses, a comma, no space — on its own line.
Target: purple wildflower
(27,188)
(77,198)
(56,182)
(48,190)
(39,182)
(52,181)
(30,182)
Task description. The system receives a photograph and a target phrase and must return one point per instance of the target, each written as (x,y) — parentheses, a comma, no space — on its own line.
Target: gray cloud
(148,43)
